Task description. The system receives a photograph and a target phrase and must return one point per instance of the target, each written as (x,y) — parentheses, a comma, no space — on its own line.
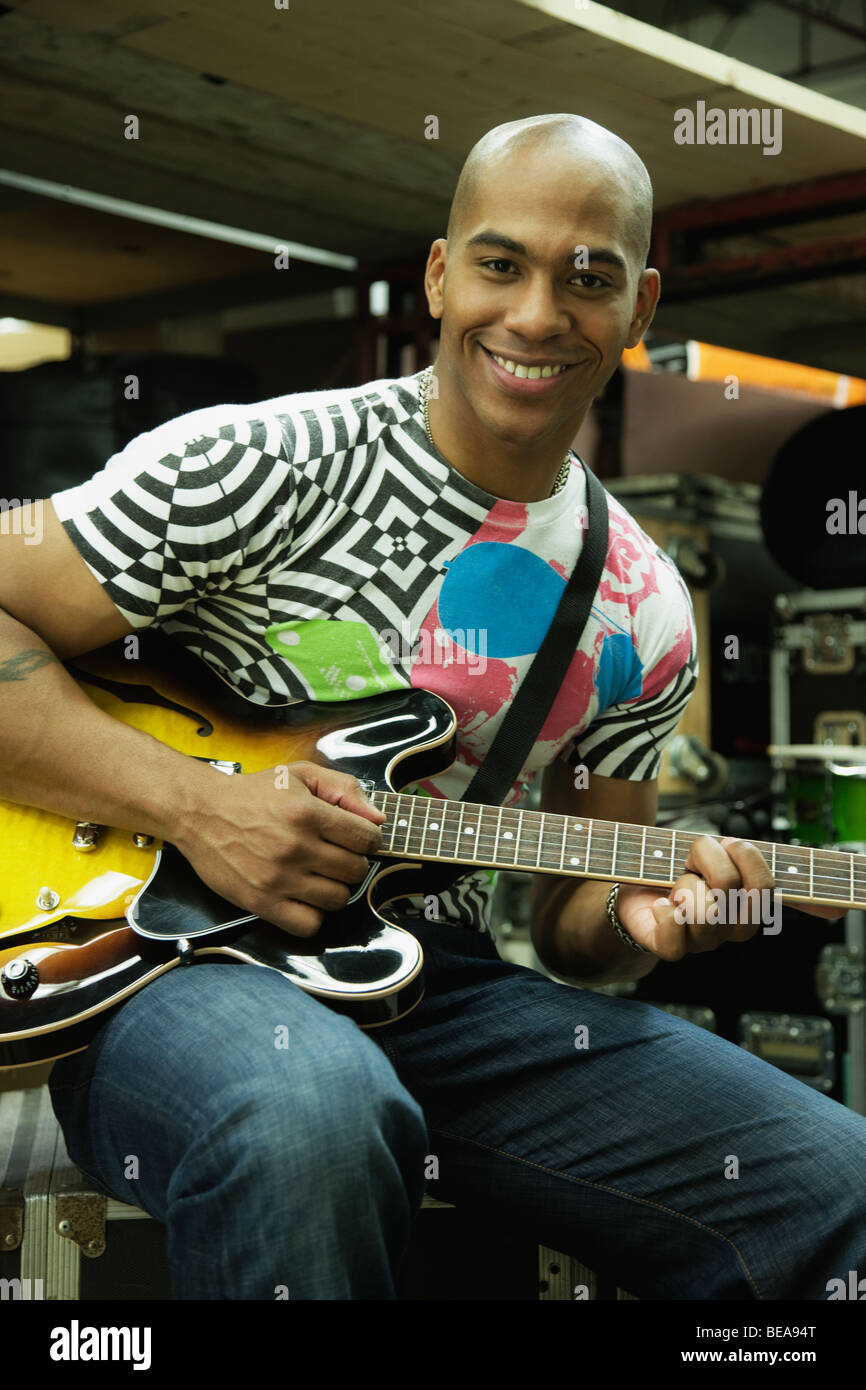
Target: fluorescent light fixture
(178,222)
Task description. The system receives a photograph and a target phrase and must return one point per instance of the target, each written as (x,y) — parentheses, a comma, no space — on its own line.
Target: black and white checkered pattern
(328,505)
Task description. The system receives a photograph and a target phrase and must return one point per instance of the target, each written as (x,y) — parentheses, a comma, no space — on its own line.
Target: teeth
(531,373)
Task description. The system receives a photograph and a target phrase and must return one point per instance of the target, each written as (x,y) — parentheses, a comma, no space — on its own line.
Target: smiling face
(543,272)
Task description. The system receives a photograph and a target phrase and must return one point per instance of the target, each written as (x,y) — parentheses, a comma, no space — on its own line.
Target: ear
(434,277)
(646,300)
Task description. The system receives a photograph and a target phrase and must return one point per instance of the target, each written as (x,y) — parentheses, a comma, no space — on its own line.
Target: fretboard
(458,832)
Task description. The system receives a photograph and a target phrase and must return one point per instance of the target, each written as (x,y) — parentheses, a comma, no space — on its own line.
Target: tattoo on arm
(23,664)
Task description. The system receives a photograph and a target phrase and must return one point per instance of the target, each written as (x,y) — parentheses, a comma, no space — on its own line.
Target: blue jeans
(286,1150)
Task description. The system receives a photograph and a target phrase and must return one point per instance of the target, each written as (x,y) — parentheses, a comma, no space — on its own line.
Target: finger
(289,914)
(329,861)
(712,916)
(668,937)
(304,915)
(691,895)
(651,921)
(345,828)
(337,789)
(754,870)
(323,893)
(294,917)
(711,860)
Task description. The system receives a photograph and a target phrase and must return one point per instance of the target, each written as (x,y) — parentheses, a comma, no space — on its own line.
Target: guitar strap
(540,685)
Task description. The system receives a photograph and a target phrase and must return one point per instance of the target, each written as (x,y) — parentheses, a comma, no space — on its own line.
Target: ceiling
(311,123)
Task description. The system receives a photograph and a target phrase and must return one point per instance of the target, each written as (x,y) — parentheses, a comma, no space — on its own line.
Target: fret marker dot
(508,835)
(574,859)
(468,830)
(402,822)
(434,825)
(657,854)
(791,869)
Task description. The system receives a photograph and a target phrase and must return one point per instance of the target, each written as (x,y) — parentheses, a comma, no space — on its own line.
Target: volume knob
(19,978)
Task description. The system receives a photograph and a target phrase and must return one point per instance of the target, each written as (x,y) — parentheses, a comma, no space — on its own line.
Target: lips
(521,383)
(525,371)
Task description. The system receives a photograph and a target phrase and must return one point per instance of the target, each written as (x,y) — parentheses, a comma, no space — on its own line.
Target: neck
(459,832)
(515,470)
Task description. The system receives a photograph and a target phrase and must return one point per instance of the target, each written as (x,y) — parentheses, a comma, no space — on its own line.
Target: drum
(848,806)
(824,803)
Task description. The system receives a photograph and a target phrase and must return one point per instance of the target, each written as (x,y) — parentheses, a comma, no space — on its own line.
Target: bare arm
(570,930)
(59,751)
(286,854)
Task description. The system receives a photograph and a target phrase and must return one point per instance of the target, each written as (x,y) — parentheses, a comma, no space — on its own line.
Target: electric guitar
(90,914)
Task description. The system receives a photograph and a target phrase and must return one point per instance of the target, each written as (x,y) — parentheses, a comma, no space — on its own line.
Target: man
(453,514)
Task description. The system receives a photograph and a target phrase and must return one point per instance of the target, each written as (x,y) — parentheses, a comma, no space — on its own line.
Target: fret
(476,835)
(853,898)
(564,838)
(673,855)
(496,844)
(481,835)
(540,838)
(773,861)
(588,841)
(387,824)
(459,830)
(642,851)
(446,847)
(832,875)
(412,801)
(613,856)
(429,801)
(441,832)
(792,879)
(811,873)
(657,843)
(519,815)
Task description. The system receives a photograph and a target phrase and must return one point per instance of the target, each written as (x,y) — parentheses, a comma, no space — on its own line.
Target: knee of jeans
(348,1103)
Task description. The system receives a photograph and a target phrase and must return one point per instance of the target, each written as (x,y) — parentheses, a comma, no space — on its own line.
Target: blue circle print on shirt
(512,595)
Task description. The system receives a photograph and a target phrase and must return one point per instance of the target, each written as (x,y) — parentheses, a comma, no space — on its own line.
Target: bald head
(574,142)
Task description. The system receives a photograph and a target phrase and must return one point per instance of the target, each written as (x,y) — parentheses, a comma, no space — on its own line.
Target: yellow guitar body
(36,850)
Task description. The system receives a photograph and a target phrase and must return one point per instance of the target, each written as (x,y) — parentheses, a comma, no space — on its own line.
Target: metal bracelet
(618,926)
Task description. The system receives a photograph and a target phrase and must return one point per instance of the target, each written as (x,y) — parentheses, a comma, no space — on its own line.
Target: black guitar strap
(540,685)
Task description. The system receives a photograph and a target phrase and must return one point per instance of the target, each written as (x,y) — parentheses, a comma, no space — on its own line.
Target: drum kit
(820,786)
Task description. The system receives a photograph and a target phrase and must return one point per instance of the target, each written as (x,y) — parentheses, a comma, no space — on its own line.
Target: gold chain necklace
(423,393)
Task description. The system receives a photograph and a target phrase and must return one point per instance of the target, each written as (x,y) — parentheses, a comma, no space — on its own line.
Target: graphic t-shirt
(318,547)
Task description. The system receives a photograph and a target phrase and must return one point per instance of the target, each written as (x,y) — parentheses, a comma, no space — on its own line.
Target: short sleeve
(178,515)
(627,739)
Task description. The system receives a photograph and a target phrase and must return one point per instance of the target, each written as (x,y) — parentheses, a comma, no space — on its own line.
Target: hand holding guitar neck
(286,844)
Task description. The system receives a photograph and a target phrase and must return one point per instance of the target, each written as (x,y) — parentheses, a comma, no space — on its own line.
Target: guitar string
(600,827)
(636,834)
(630,840)
(841,883)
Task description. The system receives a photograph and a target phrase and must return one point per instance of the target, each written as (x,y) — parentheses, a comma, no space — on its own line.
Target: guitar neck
(496,837)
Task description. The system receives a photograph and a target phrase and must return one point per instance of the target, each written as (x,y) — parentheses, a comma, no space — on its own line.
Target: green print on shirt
(336,660)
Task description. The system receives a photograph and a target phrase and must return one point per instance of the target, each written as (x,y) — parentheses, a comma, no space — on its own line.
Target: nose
(535,311)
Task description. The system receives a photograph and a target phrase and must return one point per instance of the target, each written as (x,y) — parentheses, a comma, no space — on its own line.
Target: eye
(588,275)
(498,261)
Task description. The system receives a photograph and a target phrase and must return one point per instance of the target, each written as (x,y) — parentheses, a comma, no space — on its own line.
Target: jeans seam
(605,1187)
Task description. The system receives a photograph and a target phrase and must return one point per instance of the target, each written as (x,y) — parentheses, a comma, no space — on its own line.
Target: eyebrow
(507,243)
